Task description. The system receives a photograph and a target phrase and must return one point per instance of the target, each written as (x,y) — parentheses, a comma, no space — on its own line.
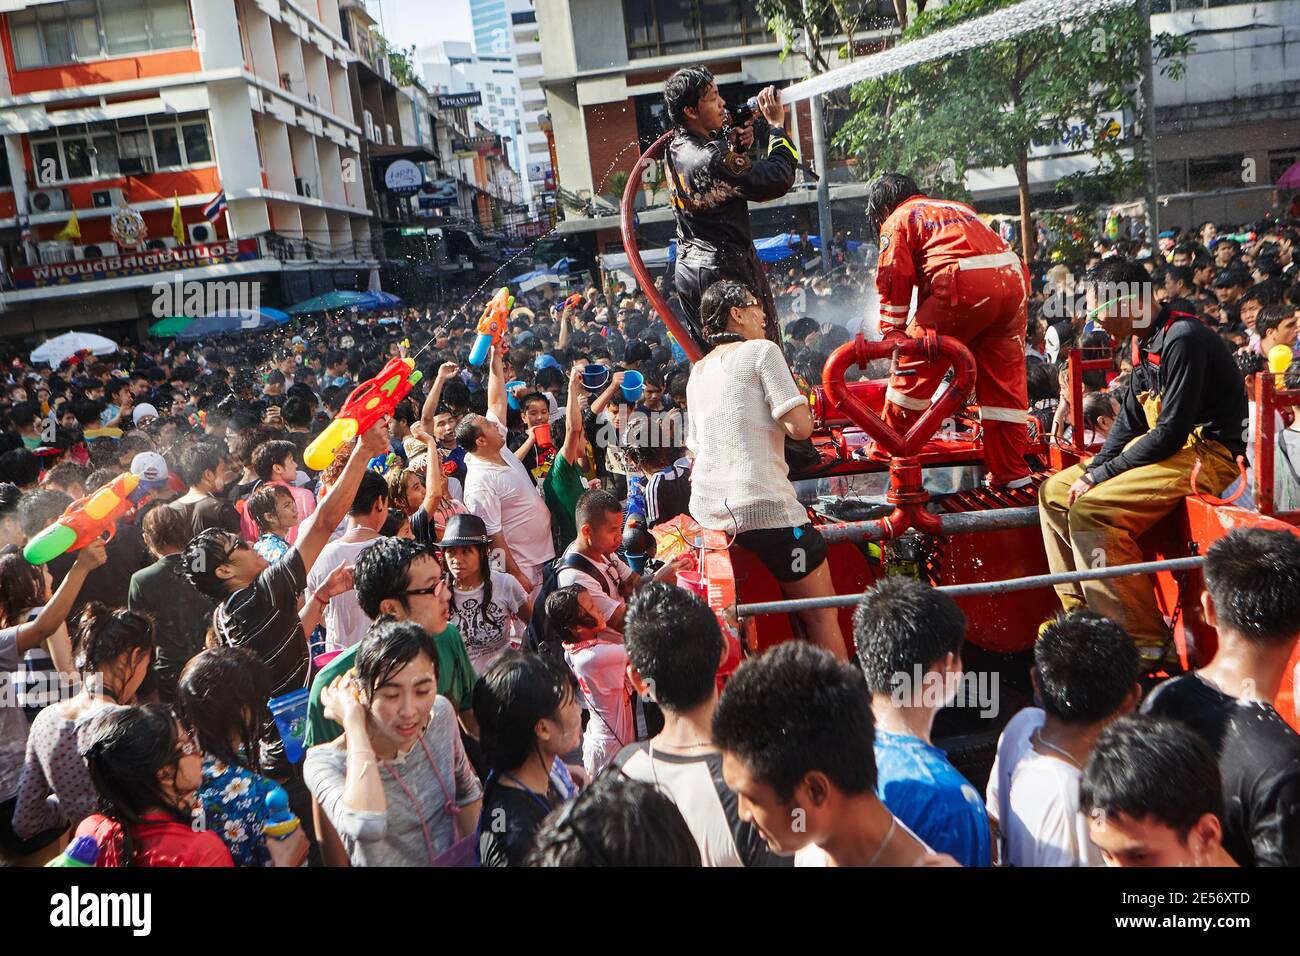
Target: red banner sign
(145,262)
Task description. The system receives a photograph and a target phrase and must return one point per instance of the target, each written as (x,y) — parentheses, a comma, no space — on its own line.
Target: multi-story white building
(529,70)
(105,104)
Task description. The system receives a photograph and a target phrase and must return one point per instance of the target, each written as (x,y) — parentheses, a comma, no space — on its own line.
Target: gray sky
(405,22)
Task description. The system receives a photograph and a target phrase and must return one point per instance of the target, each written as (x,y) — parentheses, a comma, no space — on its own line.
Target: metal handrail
(982,587)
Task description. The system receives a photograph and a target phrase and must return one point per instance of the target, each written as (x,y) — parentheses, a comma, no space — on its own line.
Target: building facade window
(127,147)
(60,33)
(666,27)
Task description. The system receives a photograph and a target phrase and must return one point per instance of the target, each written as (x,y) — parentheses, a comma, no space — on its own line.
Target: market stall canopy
(1291,178)
(232,322)
(69,344)
(169,326)
(330,301)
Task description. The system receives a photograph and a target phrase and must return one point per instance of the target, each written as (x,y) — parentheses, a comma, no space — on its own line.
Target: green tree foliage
(987,107)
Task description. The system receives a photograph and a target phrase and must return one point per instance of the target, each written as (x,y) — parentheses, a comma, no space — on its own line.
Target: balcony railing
(294,249)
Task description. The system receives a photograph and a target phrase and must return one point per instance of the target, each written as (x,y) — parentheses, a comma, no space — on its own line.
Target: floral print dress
(233,802)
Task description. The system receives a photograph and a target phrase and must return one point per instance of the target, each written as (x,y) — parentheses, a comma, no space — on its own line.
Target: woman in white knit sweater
(743,403)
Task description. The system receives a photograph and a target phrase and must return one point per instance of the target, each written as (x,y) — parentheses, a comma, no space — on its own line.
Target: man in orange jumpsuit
(970,286)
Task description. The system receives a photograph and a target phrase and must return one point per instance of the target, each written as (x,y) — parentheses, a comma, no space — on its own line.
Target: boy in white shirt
(1085,675)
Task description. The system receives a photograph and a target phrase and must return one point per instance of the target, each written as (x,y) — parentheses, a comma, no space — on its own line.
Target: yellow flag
(71,231)
(178,224)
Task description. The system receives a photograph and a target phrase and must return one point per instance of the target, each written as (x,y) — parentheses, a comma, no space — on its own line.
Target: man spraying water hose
(712,184)
(970,286)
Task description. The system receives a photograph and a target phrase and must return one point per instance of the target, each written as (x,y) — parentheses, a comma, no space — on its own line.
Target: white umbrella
(55,350)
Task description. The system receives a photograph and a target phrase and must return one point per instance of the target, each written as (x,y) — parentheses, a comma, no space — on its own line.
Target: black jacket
(711,188)
(1188,365)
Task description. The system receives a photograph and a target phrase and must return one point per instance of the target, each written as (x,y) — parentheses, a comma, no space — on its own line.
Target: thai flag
(213,210)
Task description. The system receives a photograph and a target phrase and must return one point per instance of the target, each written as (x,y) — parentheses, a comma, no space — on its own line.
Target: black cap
(1230,277)
(463,530)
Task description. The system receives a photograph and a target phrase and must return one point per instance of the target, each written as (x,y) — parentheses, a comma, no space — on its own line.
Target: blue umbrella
(380,300)
(565,264)
(330,301)
(232,322)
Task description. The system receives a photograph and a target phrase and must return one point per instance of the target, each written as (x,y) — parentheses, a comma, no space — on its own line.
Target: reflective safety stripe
(904,401)
(1014,415)
(996,261)
(895,309)
(776,141)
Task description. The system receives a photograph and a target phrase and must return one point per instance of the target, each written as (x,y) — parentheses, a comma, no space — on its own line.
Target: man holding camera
(712,181)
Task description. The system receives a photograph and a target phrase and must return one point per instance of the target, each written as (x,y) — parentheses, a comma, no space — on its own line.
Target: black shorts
(791,554)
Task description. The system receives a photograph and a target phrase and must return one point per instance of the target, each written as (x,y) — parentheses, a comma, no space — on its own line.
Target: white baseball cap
(149,466)
(143,410)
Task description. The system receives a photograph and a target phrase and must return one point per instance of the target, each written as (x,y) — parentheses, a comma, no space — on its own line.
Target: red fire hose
(906,490)
(684,338)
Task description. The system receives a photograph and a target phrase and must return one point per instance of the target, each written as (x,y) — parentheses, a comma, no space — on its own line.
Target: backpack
(537,636)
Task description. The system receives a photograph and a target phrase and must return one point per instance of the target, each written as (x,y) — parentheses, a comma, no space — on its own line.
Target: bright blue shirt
(234,807)
(919,786)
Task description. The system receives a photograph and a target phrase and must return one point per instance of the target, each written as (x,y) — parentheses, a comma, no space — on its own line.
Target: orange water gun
(492,325)
(369,402)
(88,518)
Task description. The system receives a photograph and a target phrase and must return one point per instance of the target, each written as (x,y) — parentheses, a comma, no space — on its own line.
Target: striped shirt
(264,618)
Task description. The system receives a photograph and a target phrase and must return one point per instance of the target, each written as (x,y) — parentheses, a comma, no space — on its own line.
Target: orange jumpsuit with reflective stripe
(971,286)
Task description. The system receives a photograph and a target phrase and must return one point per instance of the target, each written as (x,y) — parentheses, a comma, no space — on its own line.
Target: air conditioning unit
(94,250)
(106,198)
(135,165)
(167,242)
(200,232)
(48,200)
(55,251)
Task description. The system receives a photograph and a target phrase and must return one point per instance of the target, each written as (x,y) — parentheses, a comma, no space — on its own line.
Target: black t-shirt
(510,818)
(264,618)
(110,582)
(1259,759)
(209,512)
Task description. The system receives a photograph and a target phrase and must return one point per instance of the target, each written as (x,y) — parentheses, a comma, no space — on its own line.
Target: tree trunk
(1027,232)
(900,12)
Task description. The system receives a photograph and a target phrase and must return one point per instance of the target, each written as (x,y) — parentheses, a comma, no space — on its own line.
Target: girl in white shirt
(744,403)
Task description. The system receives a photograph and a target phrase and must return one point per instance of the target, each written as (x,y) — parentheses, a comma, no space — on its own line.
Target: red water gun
(369,402)
(492,325)
(88,518)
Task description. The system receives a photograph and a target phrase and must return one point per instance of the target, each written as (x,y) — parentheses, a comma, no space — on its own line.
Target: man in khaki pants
(1185,402)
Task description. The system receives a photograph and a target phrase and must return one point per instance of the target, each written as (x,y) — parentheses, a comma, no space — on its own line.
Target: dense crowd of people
(450,645)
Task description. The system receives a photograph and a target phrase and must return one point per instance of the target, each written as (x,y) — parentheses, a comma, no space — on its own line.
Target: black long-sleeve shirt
(711,188)
(1189,367)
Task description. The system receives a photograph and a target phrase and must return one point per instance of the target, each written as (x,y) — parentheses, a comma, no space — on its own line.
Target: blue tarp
(778,247)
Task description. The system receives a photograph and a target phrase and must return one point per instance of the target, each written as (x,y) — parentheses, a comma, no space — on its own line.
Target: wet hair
(1253,576)
(596,507)
(715,309)
(1272,316)
(38,509)
(221,696)
(1097,405)
(468,432)
(1087,666)
(22,586)
(263,502)
(389,645)
(564,615)
(105,634)
(126,748)
(269,454)
(886,194)
(383,571)
(616,821)
(165,530)
(673,640)
(902,622)
(1149,768)
(517,691)
(1118,271)
(485,569)
(66,473)
(775,712)
(202,556)
(370,490)
(684,88)
(198,460)
(297,410)
(20,467)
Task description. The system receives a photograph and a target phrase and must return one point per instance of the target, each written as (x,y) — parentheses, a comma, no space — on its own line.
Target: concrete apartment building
(105,104)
